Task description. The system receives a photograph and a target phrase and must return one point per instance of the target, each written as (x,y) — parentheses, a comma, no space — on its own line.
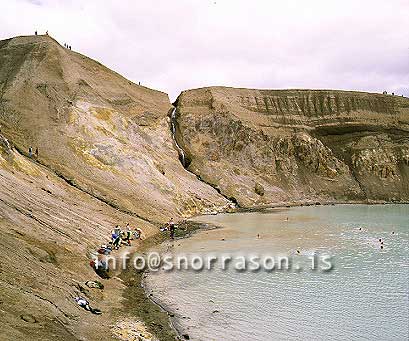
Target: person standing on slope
(172,228)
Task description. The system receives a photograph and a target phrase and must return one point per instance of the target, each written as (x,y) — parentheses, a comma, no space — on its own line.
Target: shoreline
(162,314)
(138,303)
(291,204)
(193,228)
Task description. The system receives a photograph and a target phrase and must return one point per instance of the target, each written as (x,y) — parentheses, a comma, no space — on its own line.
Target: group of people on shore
(118,238)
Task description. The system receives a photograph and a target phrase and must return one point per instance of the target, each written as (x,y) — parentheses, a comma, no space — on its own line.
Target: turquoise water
(364,297)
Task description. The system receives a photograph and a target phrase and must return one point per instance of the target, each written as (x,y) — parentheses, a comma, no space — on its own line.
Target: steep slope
(106,135)
(47,231)
(270,146)
(106,157)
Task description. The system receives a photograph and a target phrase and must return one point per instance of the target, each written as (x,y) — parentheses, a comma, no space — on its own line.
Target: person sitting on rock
(117,242)
(100,267)
(137,234)
(105,250)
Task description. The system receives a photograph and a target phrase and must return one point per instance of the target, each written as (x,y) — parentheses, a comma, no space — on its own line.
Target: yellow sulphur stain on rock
(132,330)
(25,166)
(82,149)
(104,114)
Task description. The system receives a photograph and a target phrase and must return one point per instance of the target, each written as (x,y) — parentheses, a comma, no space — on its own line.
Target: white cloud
(181,44)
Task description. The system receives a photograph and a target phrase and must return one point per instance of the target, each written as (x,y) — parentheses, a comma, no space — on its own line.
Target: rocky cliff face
(270,146)
(107,156)
(106,135)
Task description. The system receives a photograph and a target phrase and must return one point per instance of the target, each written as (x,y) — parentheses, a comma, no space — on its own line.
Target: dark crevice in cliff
(72,183)
(174,128)
(185,160)
(355,177)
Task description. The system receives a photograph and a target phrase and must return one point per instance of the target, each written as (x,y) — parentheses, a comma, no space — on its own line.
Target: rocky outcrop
(103,133)
(108,154)
(105,157)
(269,146)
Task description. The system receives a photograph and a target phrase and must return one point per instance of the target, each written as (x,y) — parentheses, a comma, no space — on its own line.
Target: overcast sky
(173,45)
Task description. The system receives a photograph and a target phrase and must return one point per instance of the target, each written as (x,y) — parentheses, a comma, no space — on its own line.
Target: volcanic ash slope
(105,134)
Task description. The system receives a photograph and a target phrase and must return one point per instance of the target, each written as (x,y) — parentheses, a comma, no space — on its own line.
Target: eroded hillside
(48,229)
(270,146)
(105,156)
(105,134)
